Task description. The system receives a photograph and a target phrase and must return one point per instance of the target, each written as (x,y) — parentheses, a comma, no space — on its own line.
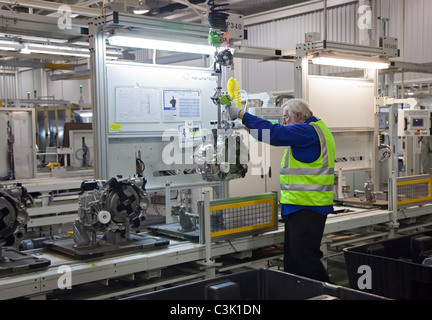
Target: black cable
(217,16)
(140,166)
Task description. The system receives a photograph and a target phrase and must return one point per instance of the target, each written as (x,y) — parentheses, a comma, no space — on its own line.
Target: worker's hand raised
(233,111)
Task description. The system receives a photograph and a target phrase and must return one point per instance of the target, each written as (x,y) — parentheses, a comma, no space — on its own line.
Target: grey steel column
(99,102)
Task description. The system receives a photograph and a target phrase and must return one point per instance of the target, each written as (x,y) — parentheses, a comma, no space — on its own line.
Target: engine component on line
(222,156)
(13,212)
(110,207)
(225,58)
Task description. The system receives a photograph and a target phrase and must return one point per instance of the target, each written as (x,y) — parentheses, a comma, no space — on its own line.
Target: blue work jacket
(304,143)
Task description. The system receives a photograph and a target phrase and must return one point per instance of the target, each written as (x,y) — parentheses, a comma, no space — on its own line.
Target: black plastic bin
(257,284)
(399,268)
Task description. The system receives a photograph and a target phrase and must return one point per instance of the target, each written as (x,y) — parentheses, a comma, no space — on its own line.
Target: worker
(307,182)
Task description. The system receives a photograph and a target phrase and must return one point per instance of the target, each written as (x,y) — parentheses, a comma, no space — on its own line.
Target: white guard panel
(24,152)
(147,106)
(342,103)
(76,143)
(347,107)
(22,122)
(149,99)
(4,168)
(353,150)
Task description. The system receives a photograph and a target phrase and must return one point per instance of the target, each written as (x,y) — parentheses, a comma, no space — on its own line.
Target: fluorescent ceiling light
(60,53)
(137,42)
(28,48)
(4,48)
(25,50)
(65,51)
(142,7)
(9,45)
(57,50)
(350,61)
(141,11)
(31,38)
(84,113)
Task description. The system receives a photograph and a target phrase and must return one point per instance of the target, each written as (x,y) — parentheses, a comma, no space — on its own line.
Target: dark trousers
(302,254)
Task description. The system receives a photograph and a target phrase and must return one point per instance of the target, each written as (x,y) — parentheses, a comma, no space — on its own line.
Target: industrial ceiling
(31,24)
(169,9)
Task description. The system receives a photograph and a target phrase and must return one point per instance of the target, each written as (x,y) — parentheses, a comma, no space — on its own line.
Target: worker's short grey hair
(294,106)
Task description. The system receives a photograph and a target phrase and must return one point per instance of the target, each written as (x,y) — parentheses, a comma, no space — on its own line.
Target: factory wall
(8,86)
(17,84)
(30,80)
(409,22)
(69,90)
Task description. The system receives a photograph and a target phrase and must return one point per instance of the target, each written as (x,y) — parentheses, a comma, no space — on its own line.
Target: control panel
(274,115)
(414,122)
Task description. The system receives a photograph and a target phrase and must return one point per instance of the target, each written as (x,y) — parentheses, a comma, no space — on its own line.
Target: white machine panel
(342,103)
(76,142)
(4,168)
(353,150)
(347,107)
(235,25)
(414,122)
(151,99)
(22,122)
(149,108)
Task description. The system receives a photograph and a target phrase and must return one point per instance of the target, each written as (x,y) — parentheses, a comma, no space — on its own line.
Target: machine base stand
(175,230)
(361,203)
(15,261)
(137,242)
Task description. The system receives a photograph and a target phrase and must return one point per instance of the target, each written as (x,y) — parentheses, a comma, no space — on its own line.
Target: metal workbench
(152,269)
(180,260)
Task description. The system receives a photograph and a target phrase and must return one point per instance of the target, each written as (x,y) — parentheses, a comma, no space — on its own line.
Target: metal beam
(54,6)
(40,26)
(131,21)
(34,56)
(19,102)
(345,47)
(35,64)
(76,75)
(250,52)
(289,11)
(397,66)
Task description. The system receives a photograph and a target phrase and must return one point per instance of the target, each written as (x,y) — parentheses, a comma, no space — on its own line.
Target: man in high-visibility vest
(307,182)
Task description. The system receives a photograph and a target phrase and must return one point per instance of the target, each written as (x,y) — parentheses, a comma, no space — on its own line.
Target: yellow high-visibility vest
(310,184)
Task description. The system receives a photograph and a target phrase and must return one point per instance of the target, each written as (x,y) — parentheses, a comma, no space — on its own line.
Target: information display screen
(418,122)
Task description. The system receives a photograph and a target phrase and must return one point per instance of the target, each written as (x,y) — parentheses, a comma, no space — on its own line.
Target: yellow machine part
(234,91)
